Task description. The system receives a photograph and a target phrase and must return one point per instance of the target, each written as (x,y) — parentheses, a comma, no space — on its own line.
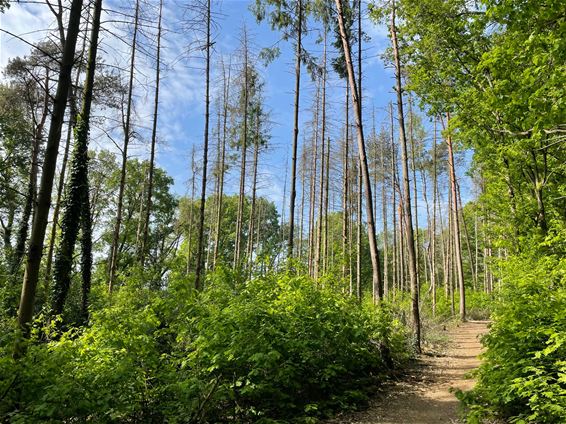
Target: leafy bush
(523,375)
(268,349)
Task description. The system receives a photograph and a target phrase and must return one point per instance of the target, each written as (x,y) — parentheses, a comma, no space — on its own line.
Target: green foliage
(523,375)
(268,349)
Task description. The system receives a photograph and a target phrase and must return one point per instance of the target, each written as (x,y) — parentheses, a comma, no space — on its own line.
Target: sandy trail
(424,397)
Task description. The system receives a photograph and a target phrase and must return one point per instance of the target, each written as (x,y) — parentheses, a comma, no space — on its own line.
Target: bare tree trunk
(200,246)
(433,229)
(35,249)
(295,131)
(302,210)
(406,193)
(415,197)
(312,196)
(116,238)
(225,98)
(191,209)
(374,254)
(318,251)
(144,245)
(396,271)
(253,205)
(359,238)
(456,224)
(326,197)
(345,217)
(244,148)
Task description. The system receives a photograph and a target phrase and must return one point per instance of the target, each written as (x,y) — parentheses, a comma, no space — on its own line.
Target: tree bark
(412,263)
(116,237)
(456,224)
(244,148)
(144,245)
(76,205)
(200,245)
(374,254)
(35,249)
(225,98)
(293,194)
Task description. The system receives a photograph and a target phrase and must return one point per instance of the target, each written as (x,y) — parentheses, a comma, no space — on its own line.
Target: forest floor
(424,394)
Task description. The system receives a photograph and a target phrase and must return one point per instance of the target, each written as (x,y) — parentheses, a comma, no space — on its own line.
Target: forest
(267,211)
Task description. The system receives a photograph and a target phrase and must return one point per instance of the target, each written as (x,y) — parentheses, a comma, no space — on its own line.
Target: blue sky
(182,92)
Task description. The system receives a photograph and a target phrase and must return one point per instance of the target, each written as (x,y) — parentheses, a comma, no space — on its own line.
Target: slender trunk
(406,193)
(396,273)
(414,172)
(225,98)
(374,254)
(191,210)
(295,131)
(35,249)
(312,196)
(302,209)
(144,246)
(359,238)
(456,224)
(253,205)
(317,257)
(433,229)
(116,237)
(326,197)
(345,190)
(200,246)
(244,148)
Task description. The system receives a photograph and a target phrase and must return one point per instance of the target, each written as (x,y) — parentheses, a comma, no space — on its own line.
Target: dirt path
(424,397)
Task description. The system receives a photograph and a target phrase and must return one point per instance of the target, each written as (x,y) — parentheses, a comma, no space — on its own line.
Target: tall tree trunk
(302,210)
(252,215)
(191,211)
(244,148)
(200,246)
(345,217)
(35,250)
(326,198)
(433,229)
(144,246)
(116,237)
(359,237)
(456,224)
(374,254)
(225,99)
(312,195)
(60,187)
(406,192)
(293,194)
(414,172)
(317,258)
(76,204)
(396,270)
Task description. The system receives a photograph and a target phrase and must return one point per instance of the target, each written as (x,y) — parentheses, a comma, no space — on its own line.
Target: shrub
(272,348)
(523,375)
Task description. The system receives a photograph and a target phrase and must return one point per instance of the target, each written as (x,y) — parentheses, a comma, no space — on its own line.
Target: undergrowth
(272,349)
